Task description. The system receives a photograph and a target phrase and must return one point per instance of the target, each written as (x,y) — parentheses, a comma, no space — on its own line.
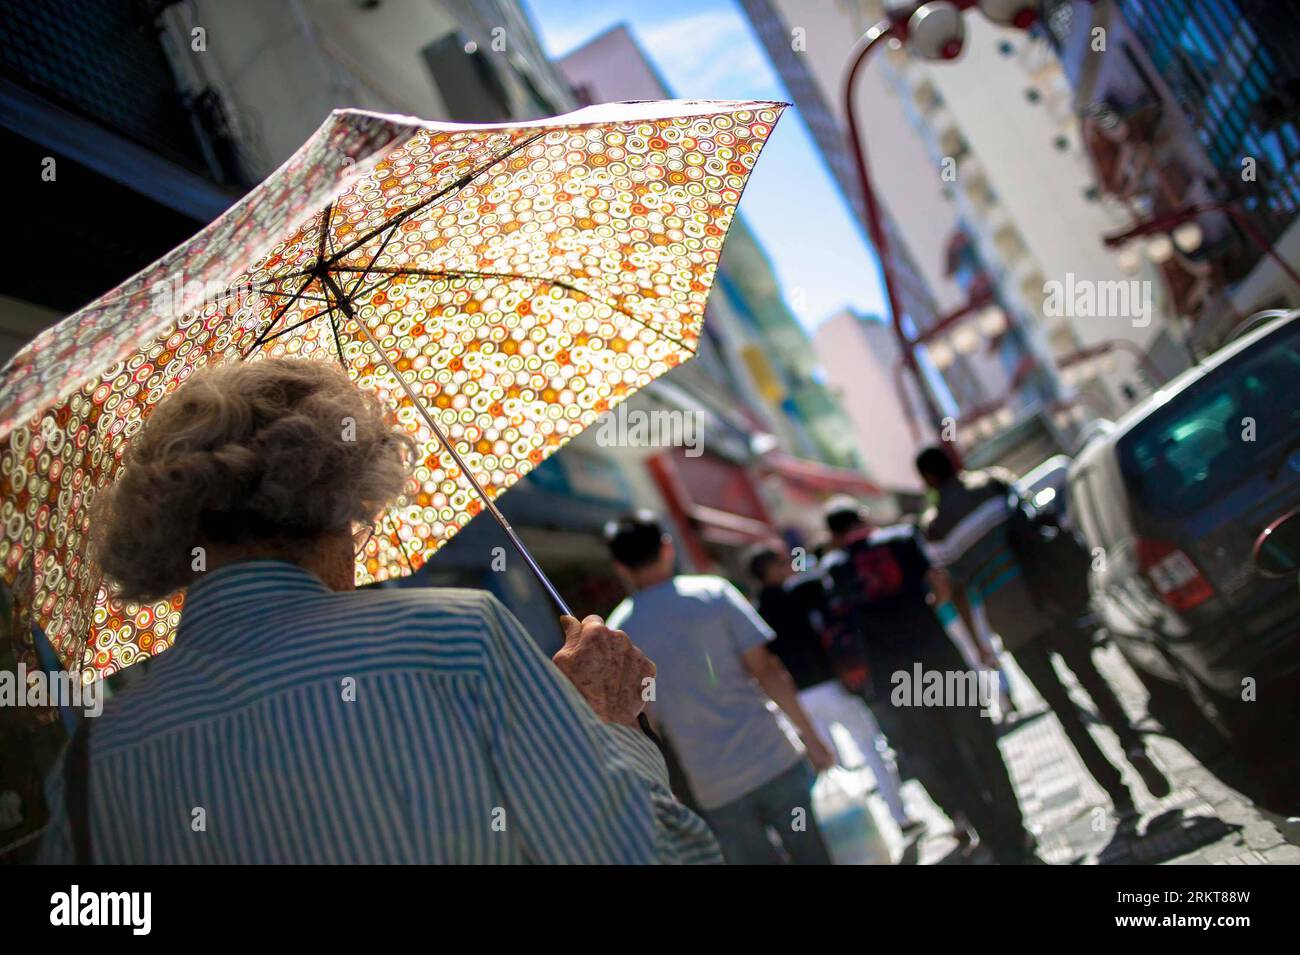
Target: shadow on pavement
(1166,836)
(1270,780)
(1022,719)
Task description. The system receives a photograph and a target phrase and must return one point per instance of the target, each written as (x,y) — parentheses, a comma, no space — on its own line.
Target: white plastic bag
(847,822)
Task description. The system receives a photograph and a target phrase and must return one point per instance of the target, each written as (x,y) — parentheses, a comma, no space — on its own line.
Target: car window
(1227,426)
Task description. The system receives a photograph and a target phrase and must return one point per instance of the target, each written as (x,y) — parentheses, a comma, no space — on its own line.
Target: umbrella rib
(369,288)
(373,259)
(332,309)
(456,186)
(423,412)
(305,298)
(237,288)
(325,216)
(288,328)
(332,313)
(396,220)
(338,343)
(410,565)
(261,336)
(559,283)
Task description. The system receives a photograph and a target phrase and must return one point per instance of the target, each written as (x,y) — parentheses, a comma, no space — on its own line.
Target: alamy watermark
(1086,298)
(664,428)
(173,296)
(87,907)
(921,687)
(36,688)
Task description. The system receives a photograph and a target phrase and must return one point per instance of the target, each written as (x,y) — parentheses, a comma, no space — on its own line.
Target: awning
(712,501)
(817,477)
(723,527)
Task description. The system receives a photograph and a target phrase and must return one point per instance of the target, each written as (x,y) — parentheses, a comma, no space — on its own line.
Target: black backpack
(1054,563)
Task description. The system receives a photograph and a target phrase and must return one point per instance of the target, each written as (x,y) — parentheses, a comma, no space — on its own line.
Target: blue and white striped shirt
(292,724)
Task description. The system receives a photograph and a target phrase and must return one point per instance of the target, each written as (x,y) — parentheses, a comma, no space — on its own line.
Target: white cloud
(709,55)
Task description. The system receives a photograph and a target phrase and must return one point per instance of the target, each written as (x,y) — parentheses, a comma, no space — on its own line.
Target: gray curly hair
(276,453)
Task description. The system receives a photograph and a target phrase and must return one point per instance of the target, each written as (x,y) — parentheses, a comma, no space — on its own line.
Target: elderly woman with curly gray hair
(299,720)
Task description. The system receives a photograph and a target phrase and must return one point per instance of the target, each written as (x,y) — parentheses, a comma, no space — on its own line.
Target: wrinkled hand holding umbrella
(501,286)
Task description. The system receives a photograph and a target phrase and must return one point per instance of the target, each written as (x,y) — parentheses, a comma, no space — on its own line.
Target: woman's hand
(820,753)
(606,667)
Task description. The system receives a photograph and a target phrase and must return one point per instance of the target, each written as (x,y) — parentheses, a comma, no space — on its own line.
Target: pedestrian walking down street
(883,631)
(313,723)
(716,675)
(978,651)
(969,535)
(795,607)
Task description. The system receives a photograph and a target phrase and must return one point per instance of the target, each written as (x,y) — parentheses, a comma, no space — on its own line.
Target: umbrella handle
(455,455)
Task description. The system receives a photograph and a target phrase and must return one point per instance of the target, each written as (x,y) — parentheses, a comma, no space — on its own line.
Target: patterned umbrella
(499,286)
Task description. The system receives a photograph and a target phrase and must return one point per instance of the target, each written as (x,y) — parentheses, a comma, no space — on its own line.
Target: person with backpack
(1025,575)
(883,637)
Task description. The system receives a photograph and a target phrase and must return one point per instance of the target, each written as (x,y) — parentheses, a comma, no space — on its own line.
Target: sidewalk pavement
(1203,820)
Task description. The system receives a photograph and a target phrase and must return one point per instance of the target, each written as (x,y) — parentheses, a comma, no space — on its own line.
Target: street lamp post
(869,42)
(937,32)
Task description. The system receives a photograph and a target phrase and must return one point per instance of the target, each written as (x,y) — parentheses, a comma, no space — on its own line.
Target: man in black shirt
(791,605)
(884,630)
(794,606)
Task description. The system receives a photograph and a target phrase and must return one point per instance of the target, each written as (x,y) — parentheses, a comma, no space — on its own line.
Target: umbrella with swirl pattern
(500,287)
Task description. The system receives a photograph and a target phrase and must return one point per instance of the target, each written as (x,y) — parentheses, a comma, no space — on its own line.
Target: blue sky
(706,49)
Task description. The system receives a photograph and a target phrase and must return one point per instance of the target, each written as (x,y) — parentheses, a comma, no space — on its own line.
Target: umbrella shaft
(464,468)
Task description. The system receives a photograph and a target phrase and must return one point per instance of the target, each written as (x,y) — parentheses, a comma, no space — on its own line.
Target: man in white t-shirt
(715,678)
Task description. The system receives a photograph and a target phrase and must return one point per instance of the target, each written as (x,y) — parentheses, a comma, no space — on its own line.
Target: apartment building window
(927,97)
(541,103)
(1032,289)
(1225,61)
(103,61)
(954,145)
(1011,248)
(980,193)
(466,79)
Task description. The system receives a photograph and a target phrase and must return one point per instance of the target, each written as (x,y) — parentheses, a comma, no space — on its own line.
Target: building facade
(984,154)
(862,358)
(1190,115)
(808,46)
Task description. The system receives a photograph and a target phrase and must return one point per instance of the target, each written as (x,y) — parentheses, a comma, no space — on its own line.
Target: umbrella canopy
(503,285)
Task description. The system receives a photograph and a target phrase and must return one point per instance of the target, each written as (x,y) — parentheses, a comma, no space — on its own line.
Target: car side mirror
(1277,548)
